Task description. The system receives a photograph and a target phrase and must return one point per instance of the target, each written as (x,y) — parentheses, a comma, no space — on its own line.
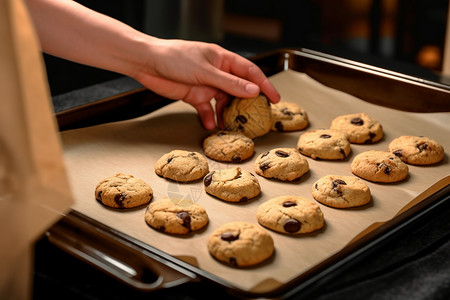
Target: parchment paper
(134,146)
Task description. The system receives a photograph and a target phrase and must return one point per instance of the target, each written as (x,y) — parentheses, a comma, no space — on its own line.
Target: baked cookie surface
(285,164)
(341,191)
(288,116)
(324,144)
(290,214)
(228,146)
(123,191)
(182,166)
(240,244)
(232,184)
(166,215)
(250,116)
(417,150)
(379,166)
(360,128)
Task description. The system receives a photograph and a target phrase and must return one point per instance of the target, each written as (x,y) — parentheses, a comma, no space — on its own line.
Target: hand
(197,72)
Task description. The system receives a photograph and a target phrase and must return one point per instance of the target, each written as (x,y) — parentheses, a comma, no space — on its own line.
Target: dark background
(401,35)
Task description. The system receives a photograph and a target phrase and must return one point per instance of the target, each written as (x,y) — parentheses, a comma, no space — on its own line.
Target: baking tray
(147,267)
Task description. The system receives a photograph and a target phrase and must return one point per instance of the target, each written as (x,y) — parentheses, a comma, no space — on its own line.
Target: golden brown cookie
(240,244)
(232,184)
(417,150)
(182,166)
(379,166)
(324,144)
(123,191)
(170,216)
(290,214)
(360,128)
(288,116)
(285,164)
(250,116)
(341,191)
(228,146)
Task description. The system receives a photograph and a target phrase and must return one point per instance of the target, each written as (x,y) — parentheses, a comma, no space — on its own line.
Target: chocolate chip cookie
(168,215)
(324,144)
(250,116)
(240,244)
(232,184)
(123,191)
(288,116)
(182,166)
(360,128)
(417,150)
(290,214)
(285,164)
(228,146)
(379,166)
(341,191)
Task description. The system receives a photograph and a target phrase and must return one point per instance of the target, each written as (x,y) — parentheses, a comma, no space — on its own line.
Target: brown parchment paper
(34,190)
(134,146)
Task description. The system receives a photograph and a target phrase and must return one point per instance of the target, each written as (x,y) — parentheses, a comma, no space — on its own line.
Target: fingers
(241,78)
(222,100)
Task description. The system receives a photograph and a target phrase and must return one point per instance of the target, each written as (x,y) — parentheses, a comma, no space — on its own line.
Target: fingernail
(251,88)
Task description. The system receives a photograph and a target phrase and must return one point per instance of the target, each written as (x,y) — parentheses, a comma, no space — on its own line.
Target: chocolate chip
(243,199)
(387,170)
(119,198)
(325,136)
(316,186)
(289,204)
(99,196)
(192,154)
(221,133)
(281,153)
(279,126)
(236,159)
(357,121)
(286,111)
(398,153)
(241,119)
(186,218)
(338,182)
(372,135)
(208,178)
(422,147)
(342,152)
(232,261)
(292,226)
(169,159)
(265,154)
(161,228)
(229,237)
(264,166)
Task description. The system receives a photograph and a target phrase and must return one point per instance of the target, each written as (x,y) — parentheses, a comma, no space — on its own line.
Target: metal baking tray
(147,268)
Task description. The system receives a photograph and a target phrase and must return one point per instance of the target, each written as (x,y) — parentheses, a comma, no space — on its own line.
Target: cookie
(167,215)
(324,144)
(379,166)
(123,191)
(182,166)
(360,128)
(250,116)
(240,244)
(290,214)
(417,150)
(232,184)
(228,146)
(288,116)
(341,191)
(285,164)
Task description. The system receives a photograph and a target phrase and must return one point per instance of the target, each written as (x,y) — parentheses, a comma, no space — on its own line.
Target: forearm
(71,31)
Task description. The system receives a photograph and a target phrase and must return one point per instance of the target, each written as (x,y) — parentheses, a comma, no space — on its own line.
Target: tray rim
(382,233)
